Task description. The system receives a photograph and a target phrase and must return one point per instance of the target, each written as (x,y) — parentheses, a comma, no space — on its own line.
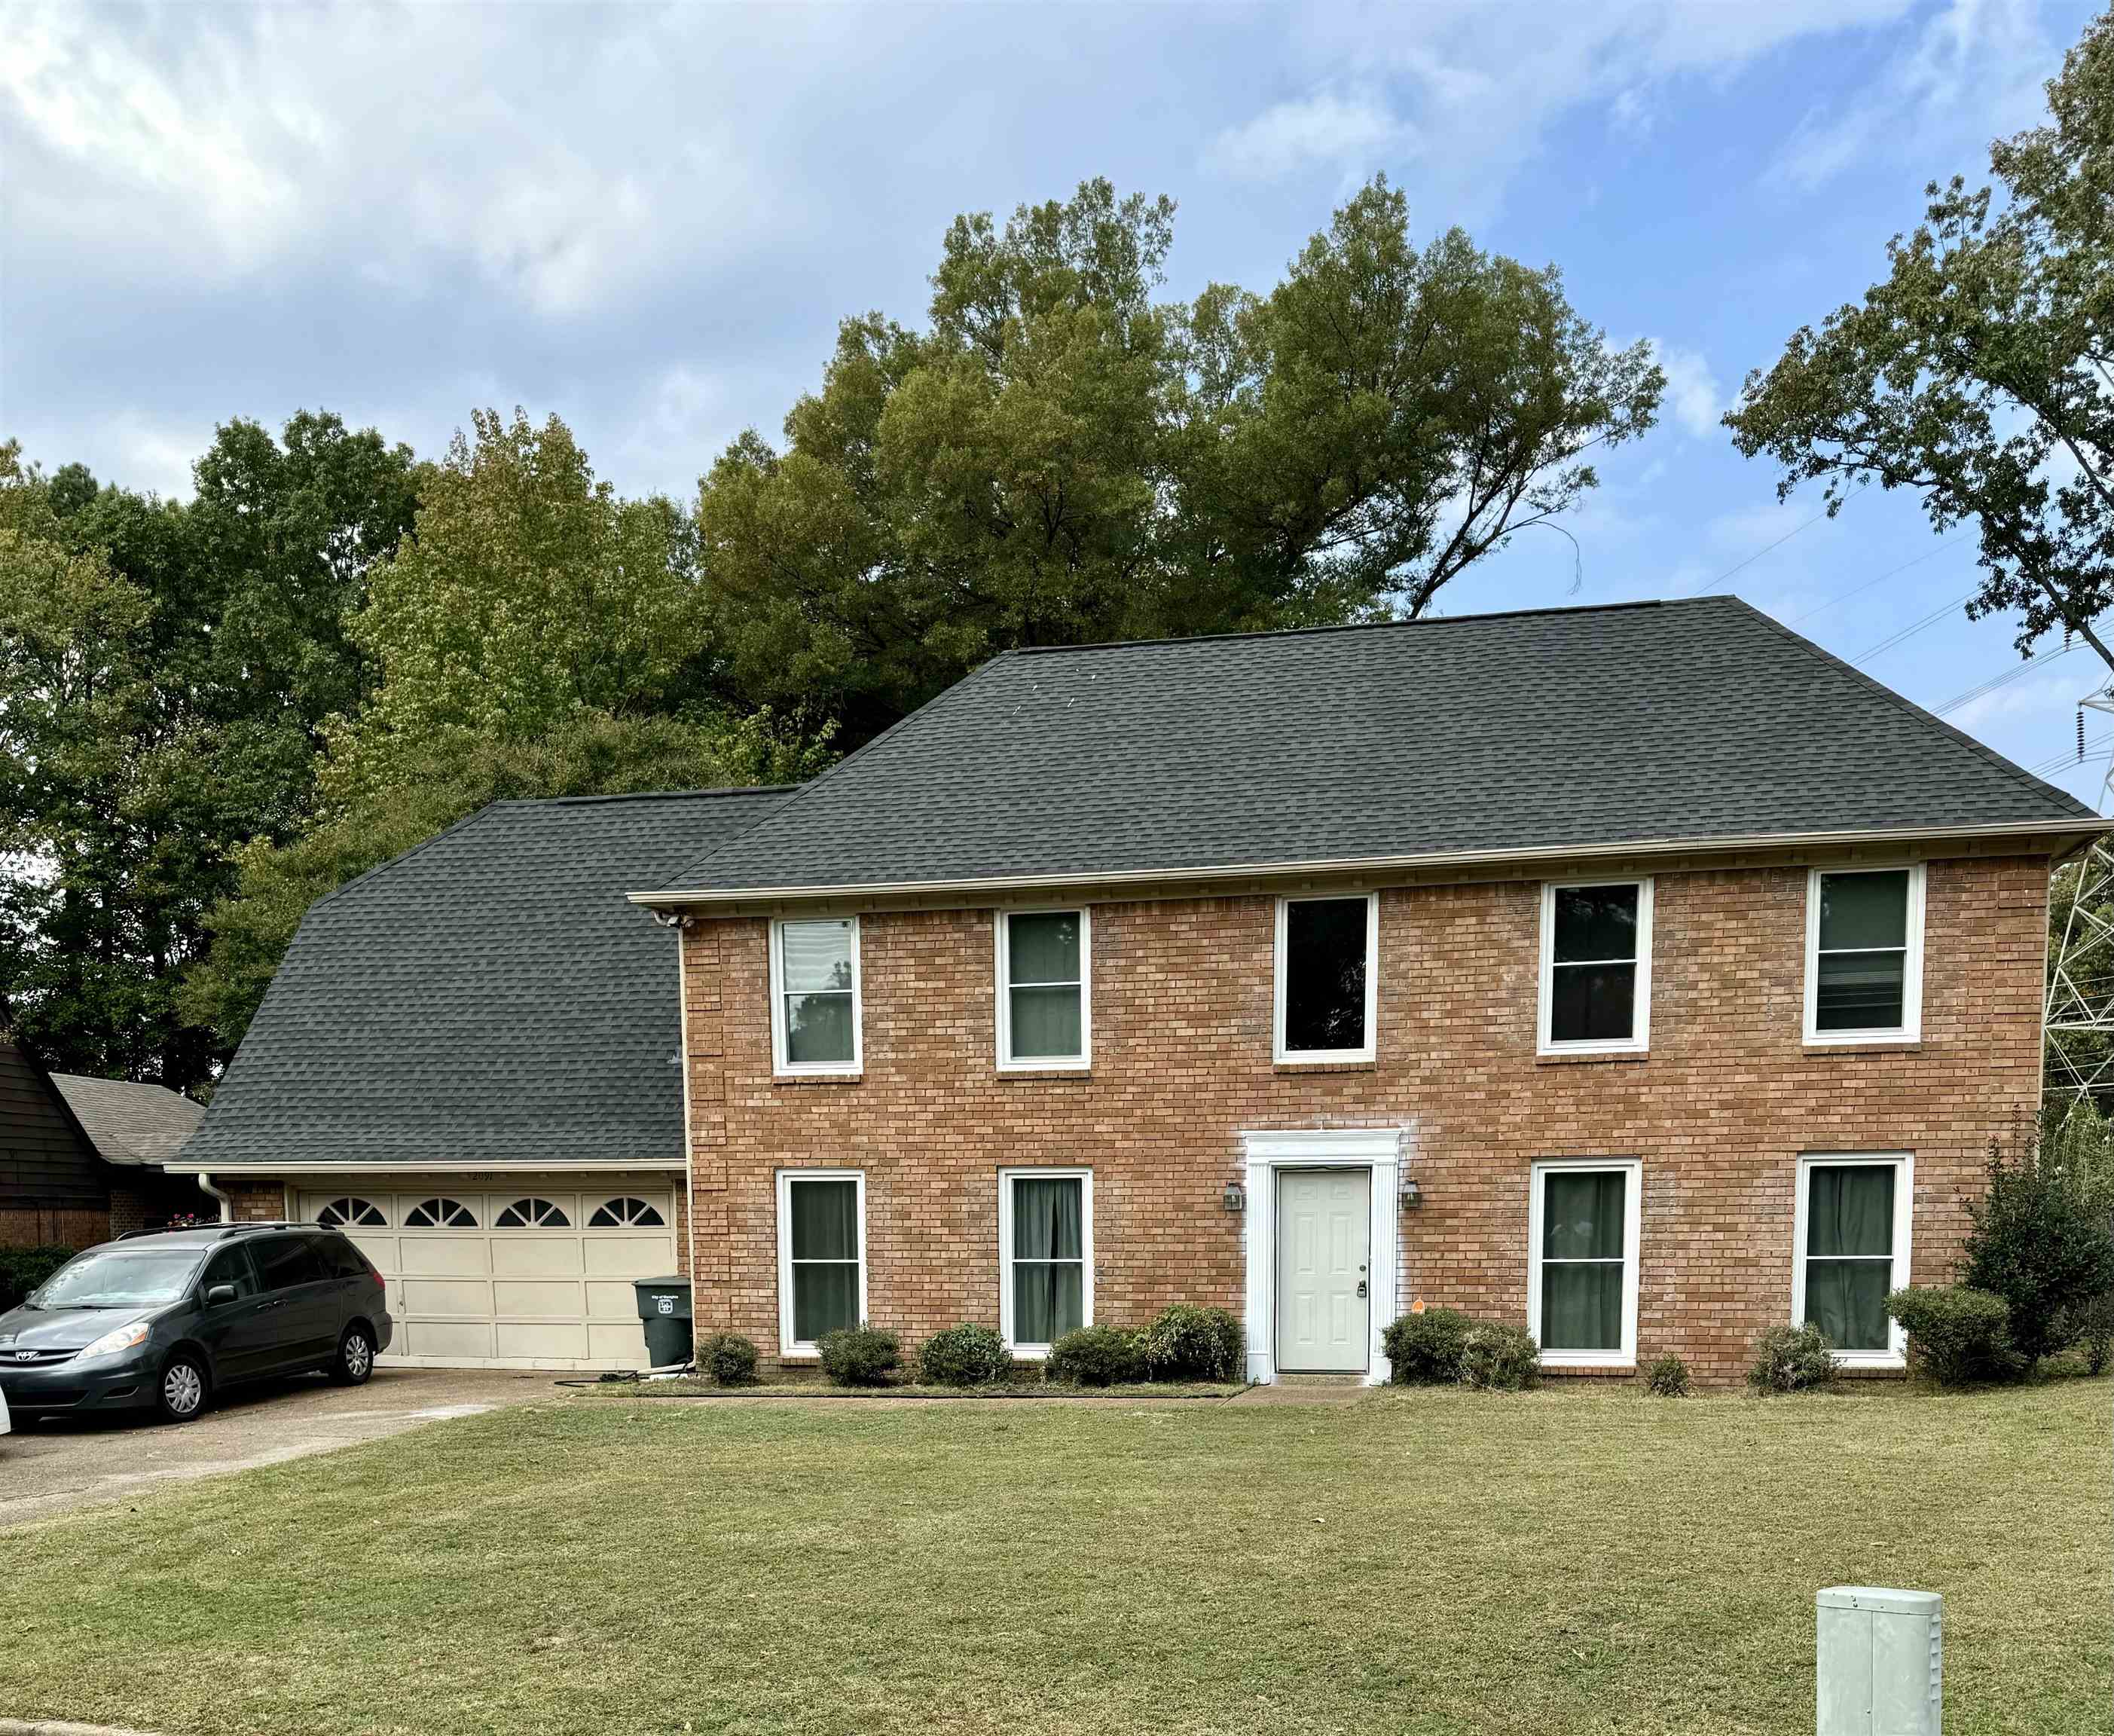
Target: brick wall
(1718,1111)
(251,1201)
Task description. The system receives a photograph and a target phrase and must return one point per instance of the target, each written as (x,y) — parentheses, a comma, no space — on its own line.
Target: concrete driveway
(48,1466)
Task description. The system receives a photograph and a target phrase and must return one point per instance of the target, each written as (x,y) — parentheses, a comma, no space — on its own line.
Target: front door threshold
(1295,1377)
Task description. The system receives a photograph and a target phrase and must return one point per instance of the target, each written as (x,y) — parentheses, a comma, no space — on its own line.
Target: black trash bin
(664,1304)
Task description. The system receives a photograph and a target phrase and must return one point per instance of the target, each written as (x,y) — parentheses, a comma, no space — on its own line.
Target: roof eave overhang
(2040,838)
(420,1166)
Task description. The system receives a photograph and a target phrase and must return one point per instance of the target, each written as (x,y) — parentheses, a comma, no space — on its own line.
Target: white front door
(1323,1247)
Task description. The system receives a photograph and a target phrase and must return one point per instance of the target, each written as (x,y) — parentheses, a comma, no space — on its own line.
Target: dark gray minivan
(163,1321)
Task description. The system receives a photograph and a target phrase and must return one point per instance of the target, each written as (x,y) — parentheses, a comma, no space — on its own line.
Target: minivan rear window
(341,1259)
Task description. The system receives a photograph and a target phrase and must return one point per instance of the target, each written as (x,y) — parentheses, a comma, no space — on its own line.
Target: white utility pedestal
(1879,1661)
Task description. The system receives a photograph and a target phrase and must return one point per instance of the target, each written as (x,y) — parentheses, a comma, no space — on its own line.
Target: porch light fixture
(1235,1198)
(1412,1196)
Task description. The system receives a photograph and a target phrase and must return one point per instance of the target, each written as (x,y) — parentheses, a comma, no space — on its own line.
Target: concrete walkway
(51,1467)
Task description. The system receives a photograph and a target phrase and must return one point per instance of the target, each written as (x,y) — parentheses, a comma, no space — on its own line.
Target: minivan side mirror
(217,1293)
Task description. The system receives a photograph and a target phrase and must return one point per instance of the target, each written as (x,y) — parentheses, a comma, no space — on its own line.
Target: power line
(1936,548)
(1909,632)
(1742,566)
(2070,756)
(2005,678)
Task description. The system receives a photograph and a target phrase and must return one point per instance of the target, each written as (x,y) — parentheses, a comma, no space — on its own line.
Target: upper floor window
(1864,954)
(815,995)
(1044,1004)
(1326,977)
(1596,966)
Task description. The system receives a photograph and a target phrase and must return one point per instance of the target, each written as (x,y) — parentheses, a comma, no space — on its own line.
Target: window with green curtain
(1850,1253)
(1044,986)
(1860,965)
(824,1237)
(1048,1257)
(1583,1217)
(815,977)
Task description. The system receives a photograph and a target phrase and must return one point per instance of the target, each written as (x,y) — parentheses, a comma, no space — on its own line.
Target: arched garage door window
(532,1214)
(361,1214)
(619,1214)
(440,1213)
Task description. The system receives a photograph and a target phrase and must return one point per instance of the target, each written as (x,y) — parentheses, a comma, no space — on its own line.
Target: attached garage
(470,1060)
(536,1274)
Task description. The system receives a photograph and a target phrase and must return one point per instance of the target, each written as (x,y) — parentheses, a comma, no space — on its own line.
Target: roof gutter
(2080,829)
(355,1166)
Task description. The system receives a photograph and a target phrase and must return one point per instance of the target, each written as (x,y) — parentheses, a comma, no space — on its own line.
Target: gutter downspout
(226,1206)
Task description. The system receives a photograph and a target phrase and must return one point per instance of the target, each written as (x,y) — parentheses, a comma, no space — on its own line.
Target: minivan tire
(181,1393)
(355,1361)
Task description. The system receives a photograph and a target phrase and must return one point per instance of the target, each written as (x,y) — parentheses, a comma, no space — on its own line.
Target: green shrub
(859,1356)
(1425,1349)
(2038,1242)
(1187,1343)
(1957,1335)
(1500,1357)
(964,1355)
(23,1269)
(727,1358)
(1668,1378)
(2092,1327)
(1791,1360)
(1096,1356)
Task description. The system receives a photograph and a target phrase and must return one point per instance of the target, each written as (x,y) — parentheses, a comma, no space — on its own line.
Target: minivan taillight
(374,1271)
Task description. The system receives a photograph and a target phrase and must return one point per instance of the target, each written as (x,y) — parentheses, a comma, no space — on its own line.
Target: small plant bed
(1029,1387)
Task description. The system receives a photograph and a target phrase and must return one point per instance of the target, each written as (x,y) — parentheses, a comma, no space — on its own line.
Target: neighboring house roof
(1561,730)
(128,1122)
(488,997)
(45,1156)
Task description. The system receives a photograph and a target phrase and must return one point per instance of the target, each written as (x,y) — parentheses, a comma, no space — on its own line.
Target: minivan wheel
(355,1357)
(181,1394)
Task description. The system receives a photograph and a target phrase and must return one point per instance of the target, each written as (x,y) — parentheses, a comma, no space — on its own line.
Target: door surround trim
(1378,1150)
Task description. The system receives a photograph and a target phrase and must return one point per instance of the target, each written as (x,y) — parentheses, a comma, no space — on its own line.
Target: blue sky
(649,220)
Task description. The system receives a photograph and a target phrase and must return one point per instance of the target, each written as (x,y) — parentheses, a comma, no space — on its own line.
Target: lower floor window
(1046,1254)
(1583,1283)
(1852,1250)
(821,1255)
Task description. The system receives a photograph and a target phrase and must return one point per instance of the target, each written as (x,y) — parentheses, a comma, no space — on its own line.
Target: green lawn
(1564,1561)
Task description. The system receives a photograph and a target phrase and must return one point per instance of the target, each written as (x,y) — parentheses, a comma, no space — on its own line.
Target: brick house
(1642,974)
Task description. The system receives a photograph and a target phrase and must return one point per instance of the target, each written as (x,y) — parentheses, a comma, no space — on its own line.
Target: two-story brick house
(1643,974)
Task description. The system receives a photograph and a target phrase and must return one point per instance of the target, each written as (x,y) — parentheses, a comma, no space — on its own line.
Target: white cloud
(1348,132)
(1694,398)
(1475,87)
(1987,58)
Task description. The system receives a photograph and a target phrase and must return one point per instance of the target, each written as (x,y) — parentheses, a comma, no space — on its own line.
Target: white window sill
(1074,1064)
(1862,1039)
(1028,1353)
(1593,1051)
(1608,1360)
(1324,1058)
(1877,1361)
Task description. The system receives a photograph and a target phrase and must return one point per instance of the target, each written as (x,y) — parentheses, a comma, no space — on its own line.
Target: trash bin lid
(660,1284)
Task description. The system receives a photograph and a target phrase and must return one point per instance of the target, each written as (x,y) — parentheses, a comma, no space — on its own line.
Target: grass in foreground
(683,1387)
(1559,1562)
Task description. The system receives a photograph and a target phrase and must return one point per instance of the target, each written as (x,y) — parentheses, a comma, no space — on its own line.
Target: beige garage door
(537,1275)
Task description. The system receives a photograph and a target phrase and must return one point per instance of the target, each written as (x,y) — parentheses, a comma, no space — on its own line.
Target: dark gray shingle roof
(489,996)
(1565,728)
(129,1122)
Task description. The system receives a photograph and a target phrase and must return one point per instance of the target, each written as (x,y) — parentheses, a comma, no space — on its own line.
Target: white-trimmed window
(815,995)
(1864,954)
(1327,978)
(1582,1232)
(1045,988)
(1852,1235)
(1045,1249)
(821,1256)
(1595,994)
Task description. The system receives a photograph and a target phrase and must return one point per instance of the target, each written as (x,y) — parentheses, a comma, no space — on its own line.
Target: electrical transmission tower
(2079,1017)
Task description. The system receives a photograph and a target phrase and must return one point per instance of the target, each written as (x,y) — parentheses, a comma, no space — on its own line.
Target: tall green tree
(1979,372)
(537,635)
(166,671)
(1057,457)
